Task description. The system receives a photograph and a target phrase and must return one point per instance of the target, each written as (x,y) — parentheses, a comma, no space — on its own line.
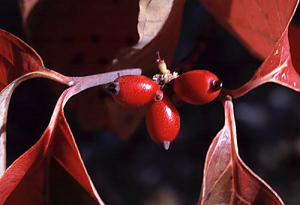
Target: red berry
(135,90)
(197,86)
(163,122)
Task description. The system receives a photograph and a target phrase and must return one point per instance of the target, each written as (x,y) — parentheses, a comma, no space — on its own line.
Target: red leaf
(52,164)
(226,178)
(159,26)
(80,37)
(278,66)
(52,171)
(257,23)
(16,59)
(18,62)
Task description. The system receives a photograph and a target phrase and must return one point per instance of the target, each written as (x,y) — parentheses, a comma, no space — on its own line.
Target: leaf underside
(226,178)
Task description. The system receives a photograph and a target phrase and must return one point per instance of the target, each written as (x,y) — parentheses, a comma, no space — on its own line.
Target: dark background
(137,171)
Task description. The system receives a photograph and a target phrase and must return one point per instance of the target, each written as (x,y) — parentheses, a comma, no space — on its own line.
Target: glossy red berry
(163,122)
(135,90)
(197,86)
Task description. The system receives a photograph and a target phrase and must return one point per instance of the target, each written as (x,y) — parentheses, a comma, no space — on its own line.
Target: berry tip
(217,84)
(165,145)
(113,88)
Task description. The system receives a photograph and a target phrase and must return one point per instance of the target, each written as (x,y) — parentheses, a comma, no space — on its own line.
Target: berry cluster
(162,118)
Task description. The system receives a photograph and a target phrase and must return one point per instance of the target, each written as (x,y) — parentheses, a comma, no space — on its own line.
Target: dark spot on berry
(95,38)
(67,39)
(102,60)
(130,41)
(78,58)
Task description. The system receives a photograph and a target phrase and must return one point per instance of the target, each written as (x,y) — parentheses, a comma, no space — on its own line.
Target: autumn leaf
(52,164)
(80,38)
(277,68)
(52,171)
(257,24)
(18,62)
(136,27)
(263,27)
(159,25)
(226,178)
(18,59)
